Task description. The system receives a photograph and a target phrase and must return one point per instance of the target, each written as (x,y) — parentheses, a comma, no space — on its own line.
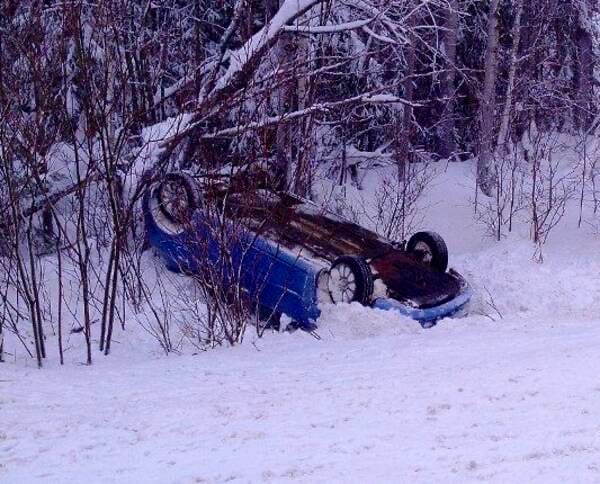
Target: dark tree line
(452,59)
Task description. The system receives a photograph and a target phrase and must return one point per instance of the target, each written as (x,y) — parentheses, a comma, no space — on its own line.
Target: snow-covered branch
(367,98)
(328,29)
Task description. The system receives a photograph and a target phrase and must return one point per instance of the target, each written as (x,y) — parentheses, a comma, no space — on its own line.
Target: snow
(288,11)
(506,393)
(382,98)
(469,401)
(328,29)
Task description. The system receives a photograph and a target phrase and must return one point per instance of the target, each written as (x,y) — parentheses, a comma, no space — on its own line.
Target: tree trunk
(514,60)
(448,142)
(285,50)
(305,93)
(404,150)
(485,164)
(583,77)
(198,43)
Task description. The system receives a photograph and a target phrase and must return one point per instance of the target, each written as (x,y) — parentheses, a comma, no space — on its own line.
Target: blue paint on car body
(435,313)
(268,273)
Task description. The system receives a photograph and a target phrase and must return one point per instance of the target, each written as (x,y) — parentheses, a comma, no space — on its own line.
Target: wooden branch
(367,98)
(55,197)
(243,63)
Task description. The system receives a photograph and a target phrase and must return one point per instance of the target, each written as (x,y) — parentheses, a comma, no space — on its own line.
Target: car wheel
(350,279)
(178,198)
(429,248)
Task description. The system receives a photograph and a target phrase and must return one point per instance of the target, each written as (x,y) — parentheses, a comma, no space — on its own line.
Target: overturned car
(289,256)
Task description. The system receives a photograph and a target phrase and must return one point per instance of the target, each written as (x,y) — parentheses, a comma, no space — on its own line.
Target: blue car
(289,256)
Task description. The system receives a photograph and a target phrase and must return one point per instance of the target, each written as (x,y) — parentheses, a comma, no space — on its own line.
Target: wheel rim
(342,284)
(174,201)
(424,252)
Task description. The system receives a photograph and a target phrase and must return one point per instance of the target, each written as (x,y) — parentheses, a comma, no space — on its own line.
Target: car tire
(184,185)
(429,248)
(350,280)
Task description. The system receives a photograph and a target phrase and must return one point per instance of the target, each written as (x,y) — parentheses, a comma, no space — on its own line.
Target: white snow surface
(470,401)
(507,393)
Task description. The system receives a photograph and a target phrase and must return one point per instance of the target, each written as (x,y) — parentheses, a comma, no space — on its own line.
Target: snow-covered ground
(471,400)
(508,393)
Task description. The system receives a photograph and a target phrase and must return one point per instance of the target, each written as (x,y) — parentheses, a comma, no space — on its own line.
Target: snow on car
(289,256)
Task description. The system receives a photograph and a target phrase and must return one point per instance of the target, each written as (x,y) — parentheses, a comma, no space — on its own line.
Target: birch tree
(448,142)
(510,89)
(485,163)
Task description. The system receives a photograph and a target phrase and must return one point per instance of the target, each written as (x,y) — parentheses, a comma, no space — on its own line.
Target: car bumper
(430,314)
